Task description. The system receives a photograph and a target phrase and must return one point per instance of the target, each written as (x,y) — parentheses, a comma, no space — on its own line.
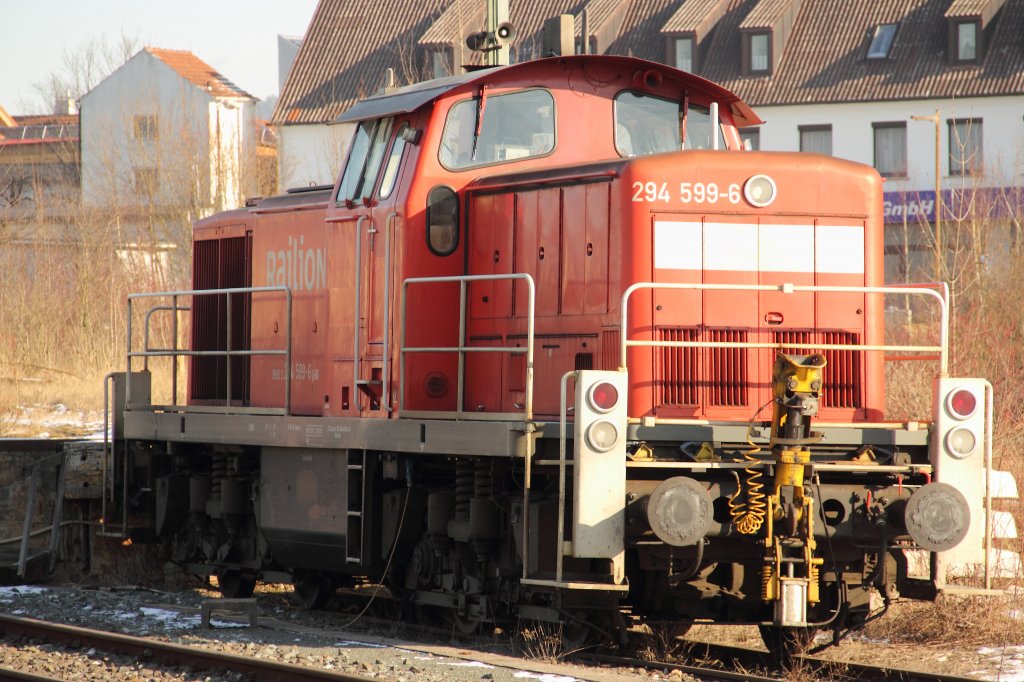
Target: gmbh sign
(968,203)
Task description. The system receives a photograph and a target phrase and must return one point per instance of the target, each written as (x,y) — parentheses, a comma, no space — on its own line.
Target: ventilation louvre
(683,372)
(221,264)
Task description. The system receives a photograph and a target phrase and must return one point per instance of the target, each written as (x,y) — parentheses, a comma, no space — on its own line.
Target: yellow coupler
(796,386)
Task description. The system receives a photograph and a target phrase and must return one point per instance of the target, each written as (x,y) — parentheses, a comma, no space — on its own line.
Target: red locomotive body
(384,371)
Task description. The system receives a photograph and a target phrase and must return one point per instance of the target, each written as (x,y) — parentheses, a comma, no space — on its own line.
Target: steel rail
(23,676)
(166,653)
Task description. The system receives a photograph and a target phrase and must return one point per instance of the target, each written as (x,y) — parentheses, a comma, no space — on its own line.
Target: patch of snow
(353,643)
(1008,662)
(8,592)
(470,664)
(543,677)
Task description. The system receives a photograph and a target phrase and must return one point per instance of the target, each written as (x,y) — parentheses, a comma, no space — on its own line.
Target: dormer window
(966,41)
(685,50)
(881,41)
(971,24)
(758,53)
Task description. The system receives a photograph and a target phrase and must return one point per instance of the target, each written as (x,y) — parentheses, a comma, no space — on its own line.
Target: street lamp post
(939,261)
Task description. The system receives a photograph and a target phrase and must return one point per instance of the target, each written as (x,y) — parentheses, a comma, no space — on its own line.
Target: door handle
(773,318)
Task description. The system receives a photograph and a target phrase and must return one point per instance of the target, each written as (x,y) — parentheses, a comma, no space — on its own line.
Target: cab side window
(387,183)
(364,160)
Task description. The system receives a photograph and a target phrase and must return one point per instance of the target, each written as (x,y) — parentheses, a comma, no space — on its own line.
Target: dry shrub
(954,620)
(540,642)
(63,291)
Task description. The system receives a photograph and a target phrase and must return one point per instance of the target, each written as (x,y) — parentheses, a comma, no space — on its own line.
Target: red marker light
(603,396)
(962,403)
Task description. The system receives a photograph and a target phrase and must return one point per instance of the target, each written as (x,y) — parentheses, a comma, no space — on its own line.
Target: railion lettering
(296,267)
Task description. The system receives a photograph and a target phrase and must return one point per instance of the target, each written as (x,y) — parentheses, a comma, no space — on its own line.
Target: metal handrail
(175,352)
(926,291)
(174,338)
(462,348)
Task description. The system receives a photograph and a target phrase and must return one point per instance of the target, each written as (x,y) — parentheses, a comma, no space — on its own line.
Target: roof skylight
(881,41)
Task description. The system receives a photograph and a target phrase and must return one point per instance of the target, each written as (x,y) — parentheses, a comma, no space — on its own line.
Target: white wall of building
(311,154)
(197,153)
(853,136)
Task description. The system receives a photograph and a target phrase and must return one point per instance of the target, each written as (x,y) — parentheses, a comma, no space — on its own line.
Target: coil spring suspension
(483,480)
(464,487)
(218,472)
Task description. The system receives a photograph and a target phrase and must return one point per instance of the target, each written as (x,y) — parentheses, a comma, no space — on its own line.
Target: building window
(965,157)
(967,41)
(440,63)
(145,181)
(751,138)
(881,41)
(817,139)
(891,149)
(757,49)
(684,54)
(145,127)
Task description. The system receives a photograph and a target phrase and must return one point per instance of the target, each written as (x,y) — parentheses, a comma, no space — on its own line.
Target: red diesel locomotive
(551,349)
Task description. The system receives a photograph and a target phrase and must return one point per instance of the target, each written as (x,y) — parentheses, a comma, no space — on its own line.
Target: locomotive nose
(937,517)
(679,511)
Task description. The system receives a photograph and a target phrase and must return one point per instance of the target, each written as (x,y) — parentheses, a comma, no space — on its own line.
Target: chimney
(66,106)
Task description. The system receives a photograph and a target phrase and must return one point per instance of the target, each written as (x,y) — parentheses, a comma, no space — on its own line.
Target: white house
(167,130)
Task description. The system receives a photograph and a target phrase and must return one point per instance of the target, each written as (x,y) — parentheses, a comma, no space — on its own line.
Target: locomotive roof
(411,97)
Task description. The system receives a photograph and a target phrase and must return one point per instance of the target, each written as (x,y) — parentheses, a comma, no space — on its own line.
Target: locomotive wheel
(465,625)
(313,593)
(234,585)
(576,632)
(786,643)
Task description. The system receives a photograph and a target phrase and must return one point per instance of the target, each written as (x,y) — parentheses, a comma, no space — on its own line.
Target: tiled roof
(348,48)
(692,15)
(641,31)
(765,13)
(967,8)
(198,72)
(824,59)
(598,12)
(351,42)
(450,28)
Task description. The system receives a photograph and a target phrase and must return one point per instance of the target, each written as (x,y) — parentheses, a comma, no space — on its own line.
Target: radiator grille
(843,372)
(682,372)
(727,370)
(221,264)
(679,370)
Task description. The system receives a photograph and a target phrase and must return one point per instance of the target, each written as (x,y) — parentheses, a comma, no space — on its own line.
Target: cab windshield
(512,126)
(651,125)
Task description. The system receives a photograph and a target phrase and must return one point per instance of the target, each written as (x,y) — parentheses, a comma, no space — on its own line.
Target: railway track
(751,665)
(701,660)
(164,653)
(805,667)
